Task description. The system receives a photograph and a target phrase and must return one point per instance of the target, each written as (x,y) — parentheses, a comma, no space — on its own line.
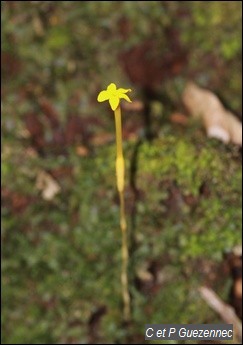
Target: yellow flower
(113,95)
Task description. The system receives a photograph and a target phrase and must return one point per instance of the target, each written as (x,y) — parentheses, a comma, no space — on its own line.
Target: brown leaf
(147,67)
(102,139)
(179,118)
(48,186)
(17,202)
(61,172)
(218,121)
(82,151)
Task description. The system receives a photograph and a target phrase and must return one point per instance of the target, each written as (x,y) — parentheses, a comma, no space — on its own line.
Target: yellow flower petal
(113,95)
(103,96)
(114,102)
(112,88)
(121,90)
(125,97)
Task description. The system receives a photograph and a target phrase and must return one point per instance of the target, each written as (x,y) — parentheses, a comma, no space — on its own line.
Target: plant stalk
(120,176)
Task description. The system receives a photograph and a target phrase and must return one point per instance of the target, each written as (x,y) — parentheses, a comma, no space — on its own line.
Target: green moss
(211,221)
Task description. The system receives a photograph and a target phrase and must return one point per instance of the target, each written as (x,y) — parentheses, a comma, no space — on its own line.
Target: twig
(225,311)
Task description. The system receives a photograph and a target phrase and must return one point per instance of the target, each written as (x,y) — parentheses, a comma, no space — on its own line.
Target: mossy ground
(61,259)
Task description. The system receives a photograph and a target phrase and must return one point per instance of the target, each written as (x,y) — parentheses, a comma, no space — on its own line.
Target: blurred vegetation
(62,46)
(61,257)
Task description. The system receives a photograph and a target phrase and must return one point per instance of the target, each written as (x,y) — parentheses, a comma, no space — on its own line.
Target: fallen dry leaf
(82,151)
(102,139)
(179,118)
(48,186)
(225,311)
(218,121)
(15,201)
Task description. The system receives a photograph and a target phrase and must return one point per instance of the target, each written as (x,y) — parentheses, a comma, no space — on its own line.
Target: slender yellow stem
(118,131)
(120,175)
